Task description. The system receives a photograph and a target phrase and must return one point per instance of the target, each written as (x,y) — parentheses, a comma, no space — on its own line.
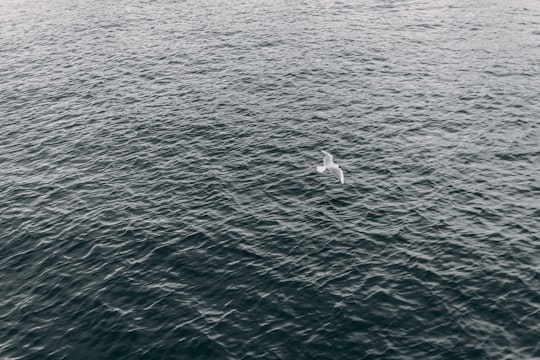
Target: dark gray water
(159,197)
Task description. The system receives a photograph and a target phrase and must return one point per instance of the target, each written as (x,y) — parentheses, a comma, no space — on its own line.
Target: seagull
(328,161)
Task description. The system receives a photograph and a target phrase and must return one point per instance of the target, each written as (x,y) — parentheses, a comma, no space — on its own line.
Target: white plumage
(328,161)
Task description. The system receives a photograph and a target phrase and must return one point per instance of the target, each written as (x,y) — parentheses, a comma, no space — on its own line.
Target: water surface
(159,197)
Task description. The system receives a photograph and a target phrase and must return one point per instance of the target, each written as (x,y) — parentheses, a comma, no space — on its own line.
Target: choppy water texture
(159,197)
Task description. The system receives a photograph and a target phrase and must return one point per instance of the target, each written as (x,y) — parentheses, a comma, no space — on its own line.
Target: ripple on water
(160,195)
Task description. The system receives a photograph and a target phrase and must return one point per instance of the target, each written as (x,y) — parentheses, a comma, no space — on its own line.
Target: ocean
(159,197)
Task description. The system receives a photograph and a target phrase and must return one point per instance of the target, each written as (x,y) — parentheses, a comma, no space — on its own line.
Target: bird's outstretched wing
(327,158)
(341,178)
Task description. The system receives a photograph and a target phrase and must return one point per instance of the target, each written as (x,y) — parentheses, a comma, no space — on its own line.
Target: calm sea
(159,198)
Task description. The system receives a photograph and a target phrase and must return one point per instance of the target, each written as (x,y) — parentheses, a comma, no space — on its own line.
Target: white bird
(328,161)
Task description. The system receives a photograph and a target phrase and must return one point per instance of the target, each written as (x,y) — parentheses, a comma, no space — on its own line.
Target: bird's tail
(321,169)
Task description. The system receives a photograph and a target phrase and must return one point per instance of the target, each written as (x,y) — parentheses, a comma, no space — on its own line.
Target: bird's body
(328,162)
